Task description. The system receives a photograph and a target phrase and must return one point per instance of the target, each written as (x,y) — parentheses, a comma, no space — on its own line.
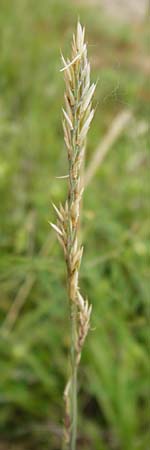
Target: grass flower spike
(77,117)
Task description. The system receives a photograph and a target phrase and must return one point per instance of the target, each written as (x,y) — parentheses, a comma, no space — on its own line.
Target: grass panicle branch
(77,117)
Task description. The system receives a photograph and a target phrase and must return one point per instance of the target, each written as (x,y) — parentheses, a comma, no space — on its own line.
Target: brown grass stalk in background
(77,118)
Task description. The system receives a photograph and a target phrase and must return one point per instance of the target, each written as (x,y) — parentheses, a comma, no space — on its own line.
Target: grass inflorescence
(78,115)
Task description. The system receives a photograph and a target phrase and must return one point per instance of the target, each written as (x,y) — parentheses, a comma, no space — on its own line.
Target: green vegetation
(115,225)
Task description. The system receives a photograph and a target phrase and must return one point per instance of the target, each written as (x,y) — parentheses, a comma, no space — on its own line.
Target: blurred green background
(34,333)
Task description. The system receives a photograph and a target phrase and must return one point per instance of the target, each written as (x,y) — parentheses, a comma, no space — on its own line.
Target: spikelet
(84,322)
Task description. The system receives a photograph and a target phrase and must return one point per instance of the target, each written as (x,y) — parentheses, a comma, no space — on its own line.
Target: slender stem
(73,381)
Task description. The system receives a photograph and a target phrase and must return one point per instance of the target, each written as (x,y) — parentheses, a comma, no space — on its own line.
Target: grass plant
(77,118)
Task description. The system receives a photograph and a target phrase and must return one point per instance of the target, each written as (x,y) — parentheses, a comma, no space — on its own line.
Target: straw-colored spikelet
(77,117)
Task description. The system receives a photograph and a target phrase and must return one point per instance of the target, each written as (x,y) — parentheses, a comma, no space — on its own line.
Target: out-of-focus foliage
(113,379)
